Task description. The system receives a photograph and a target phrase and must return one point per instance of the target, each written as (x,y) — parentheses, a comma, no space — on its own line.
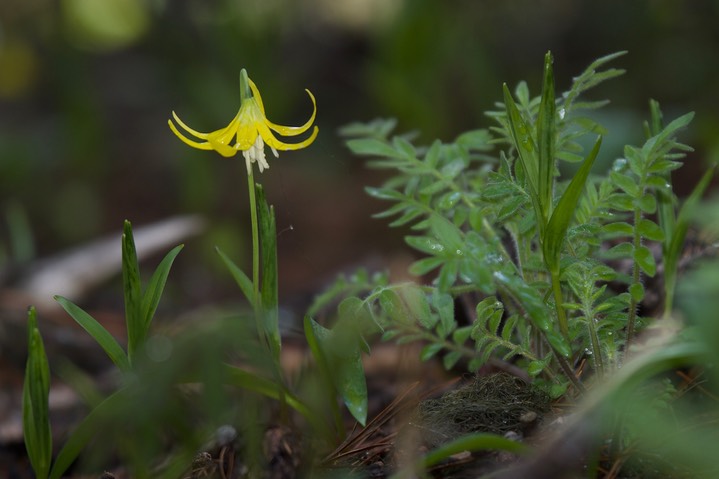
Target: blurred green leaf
(153,293)
(338,353)
(35,402)
(98,333)
(372,147)
(269,292)
(240,277)
(135,322)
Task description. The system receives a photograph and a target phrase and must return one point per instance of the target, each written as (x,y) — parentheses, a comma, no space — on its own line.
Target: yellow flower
(250,130)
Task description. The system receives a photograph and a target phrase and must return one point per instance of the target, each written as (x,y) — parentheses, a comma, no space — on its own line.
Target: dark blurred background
(87,86)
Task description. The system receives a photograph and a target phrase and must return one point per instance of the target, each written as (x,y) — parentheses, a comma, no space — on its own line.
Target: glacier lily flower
(249,130)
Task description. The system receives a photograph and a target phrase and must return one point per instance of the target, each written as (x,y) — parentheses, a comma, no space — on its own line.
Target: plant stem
(631,320)
(594,340)
(561,314)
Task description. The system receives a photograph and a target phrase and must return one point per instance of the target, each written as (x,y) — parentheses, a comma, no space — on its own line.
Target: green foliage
(35,396)
(535,252)
(140,306)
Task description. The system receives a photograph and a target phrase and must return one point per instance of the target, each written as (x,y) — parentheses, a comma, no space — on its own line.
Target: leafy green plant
(536,253)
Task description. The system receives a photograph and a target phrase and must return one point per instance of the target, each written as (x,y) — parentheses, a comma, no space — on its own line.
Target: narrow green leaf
(132,290)
(471,442)
(431,158)
(372,147)
(84,432)
(425,265)
(153,293)
(527,150)
(269,288)
(651,145)
(564,212)
(240,277)
(35,405)
(674,238)
(404,147)
(546,138)
(108,343)
(252,382)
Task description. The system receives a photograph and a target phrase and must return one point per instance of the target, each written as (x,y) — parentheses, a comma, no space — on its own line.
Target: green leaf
(340,349)
(559,343)
(636,290)
(527,150)
(564,212)
(650,147)
(650,230)
(546,138)
(393,307)
(425,244)
(620,228)
(461,335)
(622,250)
(647,203)
(530,299)
(404,147)
(252,382)
(269,290)
(108,343)
(429,351)
(136,330)
(626,183)
(425,265)
(645,259)
(416,301)
(35,405)
(675,234)
(240,277)
(444,304)
(450,359)
(431,158)
(153,293)
(447,233)
(470,442)
(372,147)
(84,432)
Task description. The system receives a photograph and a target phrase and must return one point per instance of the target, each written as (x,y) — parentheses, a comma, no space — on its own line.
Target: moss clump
(497,403)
